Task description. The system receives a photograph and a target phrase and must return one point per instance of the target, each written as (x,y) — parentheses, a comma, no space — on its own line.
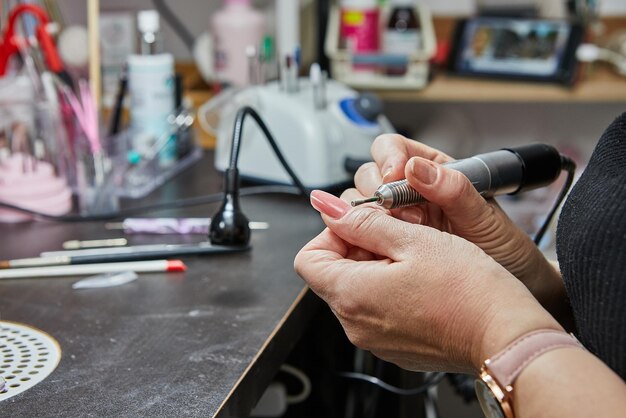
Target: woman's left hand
(413,295)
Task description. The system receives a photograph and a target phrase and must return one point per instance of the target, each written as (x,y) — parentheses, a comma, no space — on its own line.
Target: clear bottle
(403,34)
(235,27)
(151,88)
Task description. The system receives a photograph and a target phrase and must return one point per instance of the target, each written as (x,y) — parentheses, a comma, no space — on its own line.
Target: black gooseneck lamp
(229,226)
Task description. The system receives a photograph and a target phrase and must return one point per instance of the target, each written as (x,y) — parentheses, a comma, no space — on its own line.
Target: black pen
(142,252)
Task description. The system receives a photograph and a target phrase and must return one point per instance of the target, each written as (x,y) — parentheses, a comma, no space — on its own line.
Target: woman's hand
(456,207)
(413,295)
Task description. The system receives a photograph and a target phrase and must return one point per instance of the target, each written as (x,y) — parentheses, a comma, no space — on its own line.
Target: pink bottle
(235,27)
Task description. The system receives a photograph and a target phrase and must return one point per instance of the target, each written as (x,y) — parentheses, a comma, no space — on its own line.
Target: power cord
(175,204)
(236,144)
(231,192)
(429,382)
(568,165)
(229,226)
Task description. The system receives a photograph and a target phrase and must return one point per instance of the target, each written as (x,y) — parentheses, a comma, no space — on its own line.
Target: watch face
(488,402)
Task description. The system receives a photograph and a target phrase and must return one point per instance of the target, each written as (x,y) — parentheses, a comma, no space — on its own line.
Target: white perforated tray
(27,356)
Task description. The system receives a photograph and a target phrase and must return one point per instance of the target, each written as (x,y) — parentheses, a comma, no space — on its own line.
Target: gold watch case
(494,401)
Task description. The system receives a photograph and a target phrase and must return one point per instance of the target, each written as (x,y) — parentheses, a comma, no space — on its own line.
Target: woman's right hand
(456,207)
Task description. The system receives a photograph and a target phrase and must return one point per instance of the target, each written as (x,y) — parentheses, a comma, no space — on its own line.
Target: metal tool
(506,171)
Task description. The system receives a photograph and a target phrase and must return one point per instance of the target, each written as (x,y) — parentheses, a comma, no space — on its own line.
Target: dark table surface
(201,343)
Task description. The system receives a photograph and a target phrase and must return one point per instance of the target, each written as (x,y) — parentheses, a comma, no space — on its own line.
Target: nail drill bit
(362,201)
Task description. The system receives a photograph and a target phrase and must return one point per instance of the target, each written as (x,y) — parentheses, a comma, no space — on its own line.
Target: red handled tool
(10,44)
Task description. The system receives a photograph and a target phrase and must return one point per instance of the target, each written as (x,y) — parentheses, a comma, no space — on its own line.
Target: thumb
(447,188)
(365,227)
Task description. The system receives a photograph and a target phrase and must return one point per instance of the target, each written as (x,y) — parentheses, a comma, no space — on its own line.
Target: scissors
(9,44)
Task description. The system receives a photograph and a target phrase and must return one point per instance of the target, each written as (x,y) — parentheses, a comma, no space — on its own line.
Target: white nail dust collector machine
(319,125)
(321,128)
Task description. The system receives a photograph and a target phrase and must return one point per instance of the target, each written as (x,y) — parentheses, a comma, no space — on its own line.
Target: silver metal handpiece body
(493,173)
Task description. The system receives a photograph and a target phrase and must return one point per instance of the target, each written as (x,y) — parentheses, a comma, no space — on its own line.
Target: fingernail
(387,173)
(424,171)
(328,204)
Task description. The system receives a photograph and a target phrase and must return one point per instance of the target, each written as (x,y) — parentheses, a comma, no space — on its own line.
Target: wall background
(195,13)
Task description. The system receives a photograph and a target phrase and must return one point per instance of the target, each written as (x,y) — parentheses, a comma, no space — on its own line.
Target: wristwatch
(494,386)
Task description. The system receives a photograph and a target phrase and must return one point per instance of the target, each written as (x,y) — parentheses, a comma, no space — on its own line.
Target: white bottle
(151,87)
(235,27)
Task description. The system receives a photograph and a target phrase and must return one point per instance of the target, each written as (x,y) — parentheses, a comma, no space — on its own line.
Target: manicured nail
(328,204)
(425,171)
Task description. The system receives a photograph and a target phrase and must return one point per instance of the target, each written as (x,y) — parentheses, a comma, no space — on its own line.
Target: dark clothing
(591,248)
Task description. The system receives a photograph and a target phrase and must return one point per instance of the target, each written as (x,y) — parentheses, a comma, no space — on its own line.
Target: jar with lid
(359,31)
(402,34)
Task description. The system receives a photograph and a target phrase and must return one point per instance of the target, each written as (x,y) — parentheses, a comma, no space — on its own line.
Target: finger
(374,231)
(359,254)
(368,178)
(411,214)
(328,241)
(326,271)
(354,252)
(449,189)
(368,227)
(314,258)
(392,151)
(349,195)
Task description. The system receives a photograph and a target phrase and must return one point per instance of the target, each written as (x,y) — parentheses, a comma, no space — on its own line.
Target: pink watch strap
(508,363)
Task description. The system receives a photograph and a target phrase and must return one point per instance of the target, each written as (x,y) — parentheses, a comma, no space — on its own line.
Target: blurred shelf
(197,92)
(598,85)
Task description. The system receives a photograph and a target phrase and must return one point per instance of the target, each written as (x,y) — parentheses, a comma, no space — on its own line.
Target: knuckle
(356,337)
(299,263)
(363,221)
(346,307)
(461,186)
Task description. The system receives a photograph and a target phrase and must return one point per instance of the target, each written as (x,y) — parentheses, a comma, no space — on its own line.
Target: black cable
(428,383)
(569,166)
(178,27)
(194,201)
(200,200)
(236,144)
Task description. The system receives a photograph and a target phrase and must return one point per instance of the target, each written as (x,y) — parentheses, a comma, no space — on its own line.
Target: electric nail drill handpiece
(506,171)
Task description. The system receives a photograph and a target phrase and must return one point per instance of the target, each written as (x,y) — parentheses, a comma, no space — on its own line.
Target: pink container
(360,26)
(235,27)
(34,186)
